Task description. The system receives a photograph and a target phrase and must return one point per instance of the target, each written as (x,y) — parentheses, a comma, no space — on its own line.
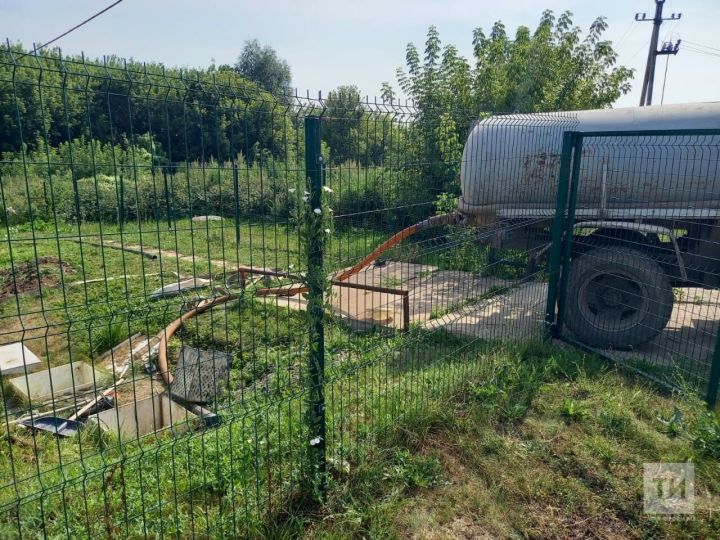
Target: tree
(553,68)
(262,65)
(355,131)
(387,94)
(344,113)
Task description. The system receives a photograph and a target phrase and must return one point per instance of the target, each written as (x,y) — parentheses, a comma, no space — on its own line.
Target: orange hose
(169,331)
(435,221)
(375,253)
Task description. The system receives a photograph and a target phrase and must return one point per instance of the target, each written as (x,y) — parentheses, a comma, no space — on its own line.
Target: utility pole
(653,52)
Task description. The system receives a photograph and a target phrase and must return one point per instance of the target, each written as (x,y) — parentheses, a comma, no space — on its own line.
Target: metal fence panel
(640,277)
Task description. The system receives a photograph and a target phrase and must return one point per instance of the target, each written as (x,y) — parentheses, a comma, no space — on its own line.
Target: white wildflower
(292,190)
(317,211)
(306,192)
(291,266)
(315,441)
(327,189)
(327,231)
(306,198)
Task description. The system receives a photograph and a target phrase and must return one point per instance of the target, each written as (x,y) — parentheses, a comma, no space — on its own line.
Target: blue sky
(361,42)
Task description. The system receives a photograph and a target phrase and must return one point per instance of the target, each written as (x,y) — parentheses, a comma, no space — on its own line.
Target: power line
(700,51)
(662,95)
(701,45)
(83,23)
(639,50)
(625,34)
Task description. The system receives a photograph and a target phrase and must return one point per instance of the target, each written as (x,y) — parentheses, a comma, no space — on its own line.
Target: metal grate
(199,376)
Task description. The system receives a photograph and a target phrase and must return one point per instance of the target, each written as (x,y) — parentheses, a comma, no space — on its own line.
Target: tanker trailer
(647,217)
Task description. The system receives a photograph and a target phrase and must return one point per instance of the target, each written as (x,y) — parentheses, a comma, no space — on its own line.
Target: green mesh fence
(213,299)
(640,261)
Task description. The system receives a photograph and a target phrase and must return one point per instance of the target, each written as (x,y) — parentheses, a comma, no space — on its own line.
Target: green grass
(193,484)
(426,432)
(539,443)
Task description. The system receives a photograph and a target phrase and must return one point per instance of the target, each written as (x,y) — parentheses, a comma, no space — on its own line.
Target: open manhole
(145,416)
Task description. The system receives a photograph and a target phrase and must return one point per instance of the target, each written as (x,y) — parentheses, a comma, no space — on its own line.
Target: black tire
(617,298)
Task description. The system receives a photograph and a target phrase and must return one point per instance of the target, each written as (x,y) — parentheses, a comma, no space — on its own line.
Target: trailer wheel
(617,298)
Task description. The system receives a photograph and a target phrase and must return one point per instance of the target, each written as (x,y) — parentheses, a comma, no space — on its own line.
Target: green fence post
(557,230)
(316,312)
(714,381)
(167,199)
(236,199)
(577,143)
(121,202)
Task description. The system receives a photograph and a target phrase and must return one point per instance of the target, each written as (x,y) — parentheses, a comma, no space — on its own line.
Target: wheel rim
(613,301)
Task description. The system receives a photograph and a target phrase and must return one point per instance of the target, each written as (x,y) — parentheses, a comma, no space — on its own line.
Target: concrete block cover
(15,358)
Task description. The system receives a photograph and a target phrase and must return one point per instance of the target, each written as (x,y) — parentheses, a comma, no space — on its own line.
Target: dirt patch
(126,360)
(459,528)
(30,276)
(550,522)
(137,386)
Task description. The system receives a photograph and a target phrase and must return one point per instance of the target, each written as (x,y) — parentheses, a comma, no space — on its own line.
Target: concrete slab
(149,415)
(429,291)
(365,309)
(16,358)
(689,335)
(518,314)
(448,291)
(203,219)
(392,274)
(48,384)
(176,288)
(454,301)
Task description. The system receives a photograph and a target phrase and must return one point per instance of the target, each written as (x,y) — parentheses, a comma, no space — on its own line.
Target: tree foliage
(188,115)
(341,132)
(555,67)
(356,131)
(262,65)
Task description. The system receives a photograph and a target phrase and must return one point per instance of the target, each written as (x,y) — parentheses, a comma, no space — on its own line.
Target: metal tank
(511,161)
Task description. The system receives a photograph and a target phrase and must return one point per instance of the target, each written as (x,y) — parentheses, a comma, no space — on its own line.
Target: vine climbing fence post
(315,474)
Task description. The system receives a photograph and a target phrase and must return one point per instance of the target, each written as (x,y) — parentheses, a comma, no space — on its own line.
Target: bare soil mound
(30,276)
